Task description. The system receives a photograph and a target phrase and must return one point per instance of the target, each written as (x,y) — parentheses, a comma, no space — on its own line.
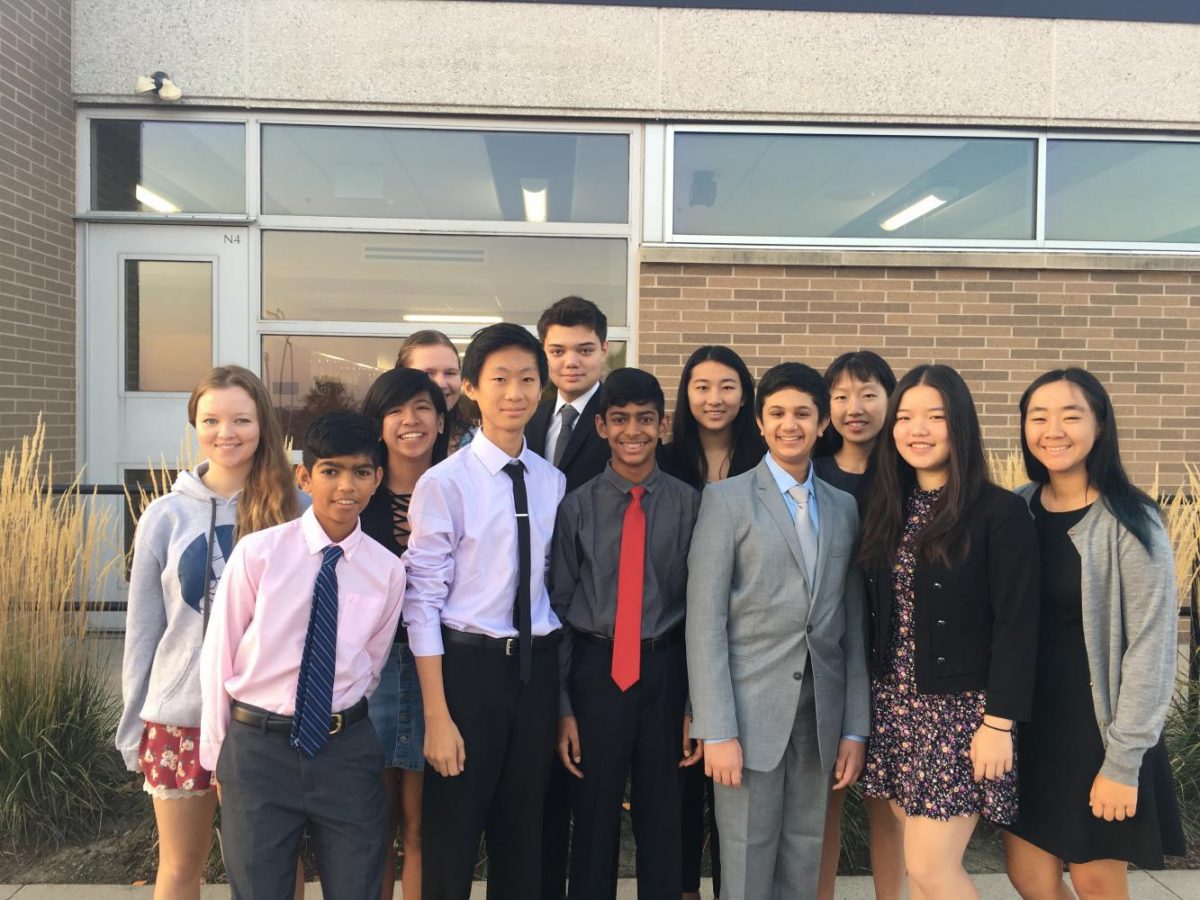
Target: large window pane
(409,173)
(853,186)
(168,167)
(307,375)
(426,278)
(1123,191)
(168,324)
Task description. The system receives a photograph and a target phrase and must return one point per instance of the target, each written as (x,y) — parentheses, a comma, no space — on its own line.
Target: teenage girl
(411,413)
(860,384)
(1096,787)
(713,436)
(950,562)
(182,541)
(435,355)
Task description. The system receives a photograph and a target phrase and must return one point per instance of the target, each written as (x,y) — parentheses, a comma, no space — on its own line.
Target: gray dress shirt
(586,558)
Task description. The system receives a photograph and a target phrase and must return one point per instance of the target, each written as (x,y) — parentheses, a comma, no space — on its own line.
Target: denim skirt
(396,712)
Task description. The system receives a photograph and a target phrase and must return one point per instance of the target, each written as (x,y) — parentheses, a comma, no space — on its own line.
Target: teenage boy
(619,576)
(483,633)
(301,627)
(574,334)
(776,649)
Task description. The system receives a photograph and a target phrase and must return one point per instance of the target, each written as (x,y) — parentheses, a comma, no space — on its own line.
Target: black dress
(1061,749)
(830,472)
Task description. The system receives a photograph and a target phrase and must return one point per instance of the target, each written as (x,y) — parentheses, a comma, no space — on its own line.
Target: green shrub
(1182,736)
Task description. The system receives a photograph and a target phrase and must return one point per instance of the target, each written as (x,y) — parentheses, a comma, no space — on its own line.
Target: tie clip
(522,515)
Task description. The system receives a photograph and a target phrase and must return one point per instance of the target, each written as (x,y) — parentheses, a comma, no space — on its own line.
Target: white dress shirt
(462,560)
(555,428)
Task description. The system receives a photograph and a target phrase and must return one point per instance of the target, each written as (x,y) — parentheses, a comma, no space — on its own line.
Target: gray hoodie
(164,626)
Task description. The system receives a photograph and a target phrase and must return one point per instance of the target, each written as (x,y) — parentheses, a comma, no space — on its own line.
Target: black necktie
(522,612)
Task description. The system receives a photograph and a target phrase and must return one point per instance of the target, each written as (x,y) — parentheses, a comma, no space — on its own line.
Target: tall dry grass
(58,771)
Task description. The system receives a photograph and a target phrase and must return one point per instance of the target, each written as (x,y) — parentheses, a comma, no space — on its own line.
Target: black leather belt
(649,645)
(269,721)
(509,646)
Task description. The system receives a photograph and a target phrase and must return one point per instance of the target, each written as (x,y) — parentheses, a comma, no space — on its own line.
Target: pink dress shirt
(462,554)
(260,617)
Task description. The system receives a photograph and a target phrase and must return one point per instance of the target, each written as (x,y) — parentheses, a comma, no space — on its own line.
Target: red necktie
(627,636)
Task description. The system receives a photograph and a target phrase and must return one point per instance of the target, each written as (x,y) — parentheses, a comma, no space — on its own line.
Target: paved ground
(1179,885)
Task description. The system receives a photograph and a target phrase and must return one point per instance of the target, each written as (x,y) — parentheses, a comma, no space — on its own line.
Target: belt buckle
(339,722)
(511,647)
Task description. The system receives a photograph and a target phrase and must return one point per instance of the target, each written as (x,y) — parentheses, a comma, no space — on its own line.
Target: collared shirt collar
(317,540)
(579,402)
(493,458)
(785,481)
(623,484)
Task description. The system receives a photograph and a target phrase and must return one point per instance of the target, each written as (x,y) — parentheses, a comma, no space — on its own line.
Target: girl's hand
(444,747)
(1112,800)
(992,750)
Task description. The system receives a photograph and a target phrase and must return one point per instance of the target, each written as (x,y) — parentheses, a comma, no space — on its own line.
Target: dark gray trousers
(271,794)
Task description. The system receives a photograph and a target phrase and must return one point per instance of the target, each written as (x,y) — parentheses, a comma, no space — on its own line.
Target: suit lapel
(585,426)
(830,520)
(535,431)
(769,495)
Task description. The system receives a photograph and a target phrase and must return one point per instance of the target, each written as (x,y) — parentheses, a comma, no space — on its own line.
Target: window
(852,186)
(410,173)
(168,167)
(430,280)
(1122,191)
(168,324)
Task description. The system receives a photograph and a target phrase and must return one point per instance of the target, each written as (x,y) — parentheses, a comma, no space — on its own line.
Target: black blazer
(976,623)
(586,454)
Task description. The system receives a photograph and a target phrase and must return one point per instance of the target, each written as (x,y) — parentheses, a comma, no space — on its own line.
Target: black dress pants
(509,730)
(271,793)
(635,734)
(556,832)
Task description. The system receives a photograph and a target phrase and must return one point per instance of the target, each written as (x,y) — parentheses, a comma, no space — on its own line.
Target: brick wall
(1138,331)
(37,234)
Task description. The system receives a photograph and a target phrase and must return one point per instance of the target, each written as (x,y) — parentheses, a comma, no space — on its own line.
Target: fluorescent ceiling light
(535,192)
(924,206)
(454,320)
(147,197)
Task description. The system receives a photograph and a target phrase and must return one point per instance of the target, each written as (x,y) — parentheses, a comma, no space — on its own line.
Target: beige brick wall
(1138,331)
(37,234)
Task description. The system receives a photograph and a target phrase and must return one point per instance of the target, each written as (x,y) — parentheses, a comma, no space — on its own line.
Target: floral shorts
(170,756)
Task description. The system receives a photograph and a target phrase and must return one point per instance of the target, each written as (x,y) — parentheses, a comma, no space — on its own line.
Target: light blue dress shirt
(786,482)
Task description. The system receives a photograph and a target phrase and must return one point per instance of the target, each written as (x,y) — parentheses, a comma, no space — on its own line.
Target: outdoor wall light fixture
(922,207)
(159,83)
(535,192)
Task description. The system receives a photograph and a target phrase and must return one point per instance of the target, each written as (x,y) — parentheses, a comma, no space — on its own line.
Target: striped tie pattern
(314,689)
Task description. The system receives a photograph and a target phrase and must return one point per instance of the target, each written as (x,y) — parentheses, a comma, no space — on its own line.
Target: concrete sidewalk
(1176,885)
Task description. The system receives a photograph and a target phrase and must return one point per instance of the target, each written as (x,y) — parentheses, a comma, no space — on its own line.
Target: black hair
(1131,506)
(944,539)
(748,444)
(571,312)
(497,337)
(793,375)
(342,433)
(395,388)
(861,365)
(628,385)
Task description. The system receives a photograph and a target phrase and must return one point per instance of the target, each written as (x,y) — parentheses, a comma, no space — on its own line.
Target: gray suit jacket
(751,614)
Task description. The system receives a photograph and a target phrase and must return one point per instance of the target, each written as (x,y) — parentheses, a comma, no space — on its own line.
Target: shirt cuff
(718,740)
(425,640)
(858,739)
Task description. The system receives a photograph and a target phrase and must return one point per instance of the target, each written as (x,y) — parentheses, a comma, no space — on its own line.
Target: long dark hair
(1131,506)
(397,387)
(943,540)
(861,365)
(748,446)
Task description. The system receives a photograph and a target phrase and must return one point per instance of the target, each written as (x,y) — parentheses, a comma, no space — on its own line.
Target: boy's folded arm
(379,644)
(232,613)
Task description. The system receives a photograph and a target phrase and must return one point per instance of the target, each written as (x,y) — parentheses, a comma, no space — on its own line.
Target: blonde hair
(269,496)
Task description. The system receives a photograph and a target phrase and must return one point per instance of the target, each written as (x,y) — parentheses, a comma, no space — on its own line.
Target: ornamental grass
(59,773)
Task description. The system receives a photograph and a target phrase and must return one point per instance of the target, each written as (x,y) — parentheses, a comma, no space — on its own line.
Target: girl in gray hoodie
(183,538)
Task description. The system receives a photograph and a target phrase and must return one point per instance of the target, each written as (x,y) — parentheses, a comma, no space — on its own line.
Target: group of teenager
(516,624)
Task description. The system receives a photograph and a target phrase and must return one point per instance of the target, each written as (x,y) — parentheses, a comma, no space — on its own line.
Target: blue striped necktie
(314,689)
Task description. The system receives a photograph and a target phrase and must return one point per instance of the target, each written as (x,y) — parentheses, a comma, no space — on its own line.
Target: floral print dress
(919,751)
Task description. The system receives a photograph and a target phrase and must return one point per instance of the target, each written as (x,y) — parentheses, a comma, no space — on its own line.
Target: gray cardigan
(1130,610)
